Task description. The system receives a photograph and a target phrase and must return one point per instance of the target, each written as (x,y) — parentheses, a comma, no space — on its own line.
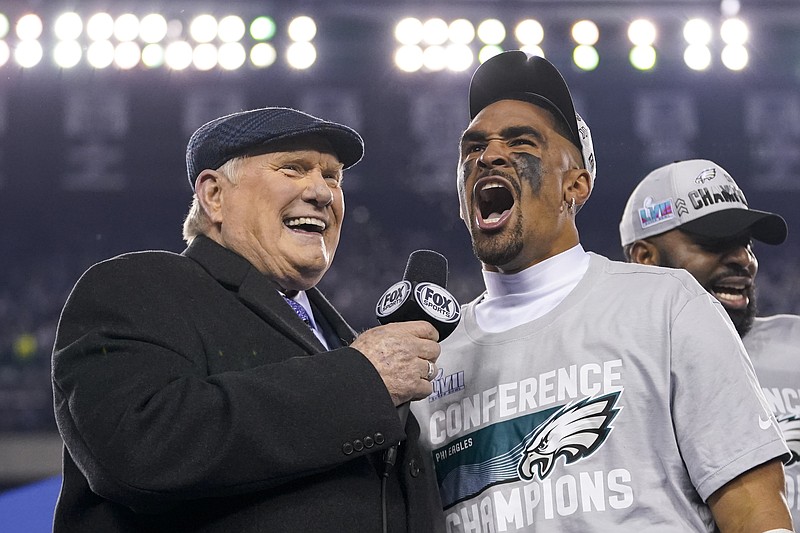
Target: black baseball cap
(224,138)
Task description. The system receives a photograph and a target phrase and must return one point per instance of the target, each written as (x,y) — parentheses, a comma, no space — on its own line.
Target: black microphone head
(421,295)
(426,265)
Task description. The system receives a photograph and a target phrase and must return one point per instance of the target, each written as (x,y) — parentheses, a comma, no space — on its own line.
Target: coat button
(369,442)
(358,445)
(347,448)
(413,468)
(379,439)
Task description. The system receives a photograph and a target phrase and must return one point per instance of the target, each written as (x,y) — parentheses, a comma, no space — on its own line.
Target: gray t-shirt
(774,347)
(622,409)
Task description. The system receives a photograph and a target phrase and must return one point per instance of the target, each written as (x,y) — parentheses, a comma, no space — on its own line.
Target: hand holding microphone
(416,313)
(402,354)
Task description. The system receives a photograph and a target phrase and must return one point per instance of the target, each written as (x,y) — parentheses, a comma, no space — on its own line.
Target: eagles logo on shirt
(574,432)
(523,448)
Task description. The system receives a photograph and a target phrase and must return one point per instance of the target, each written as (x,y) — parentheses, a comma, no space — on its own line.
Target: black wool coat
(190,397)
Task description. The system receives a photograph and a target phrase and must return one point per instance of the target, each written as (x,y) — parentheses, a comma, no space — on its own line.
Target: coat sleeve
(149,421)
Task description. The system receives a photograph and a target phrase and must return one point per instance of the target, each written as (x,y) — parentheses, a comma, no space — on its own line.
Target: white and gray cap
(700,197)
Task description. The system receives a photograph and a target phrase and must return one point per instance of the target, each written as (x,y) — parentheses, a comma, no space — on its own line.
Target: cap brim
(766,227)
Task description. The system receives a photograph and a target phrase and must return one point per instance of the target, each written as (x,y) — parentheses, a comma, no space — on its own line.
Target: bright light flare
(642,32)
(643,57)
(100,27)
(204,56)
(232,56)
(301,55)
(734,31)
(127,55)
(29,27)
(68,27)
(153,55)
(697,57)
(697,31)
(302,30)
(263,55)
(408,31)
(262,29)
(585,32)
(435,31)
(126,27)
(100,54)
(461,31)
(4,26)
(178,55)
(28,54)
(735,57)
(491,31)
(459,57)
(586,57)
(231,29)
(67,54)
(409,58)
(529,32)
(153,28)
(203,28)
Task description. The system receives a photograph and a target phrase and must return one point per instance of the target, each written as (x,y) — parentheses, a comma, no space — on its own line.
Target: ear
(645,253)
(578,185)
(209,188)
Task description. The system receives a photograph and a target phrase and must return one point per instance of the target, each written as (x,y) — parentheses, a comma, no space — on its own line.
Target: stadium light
(491,31)
(301,55)
(461,31)
(67,54)
(68,26)
(126,27)
(529,32)
(153,28)
(29,27)
(28,53)
(100,27)
(263,55)
(697,57)
(435,31)
(100,54)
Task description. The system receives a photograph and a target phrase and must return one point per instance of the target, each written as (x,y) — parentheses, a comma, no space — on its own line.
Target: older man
(579,393)
(692,215)
(218,390)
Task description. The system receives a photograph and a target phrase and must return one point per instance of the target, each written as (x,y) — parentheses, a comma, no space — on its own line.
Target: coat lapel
(254,290)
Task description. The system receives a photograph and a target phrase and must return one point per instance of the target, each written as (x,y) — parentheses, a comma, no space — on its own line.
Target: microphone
(421,295)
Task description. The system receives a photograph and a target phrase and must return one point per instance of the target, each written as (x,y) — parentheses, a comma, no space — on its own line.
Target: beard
(498,249)
(743,318)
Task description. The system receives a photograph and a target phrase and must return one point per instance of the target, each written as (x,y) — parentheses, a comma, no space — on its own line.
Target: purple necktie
(300,310)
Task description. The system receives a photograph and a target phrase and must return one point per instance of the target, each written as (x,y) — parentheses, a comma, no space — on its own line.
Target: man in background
(218,390)
(579,393)
(692,215)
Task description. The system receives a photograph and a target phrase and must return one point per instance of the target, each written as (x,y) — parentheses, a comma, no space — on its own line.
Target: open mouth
(493,202)
(732,293)
(306,224)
